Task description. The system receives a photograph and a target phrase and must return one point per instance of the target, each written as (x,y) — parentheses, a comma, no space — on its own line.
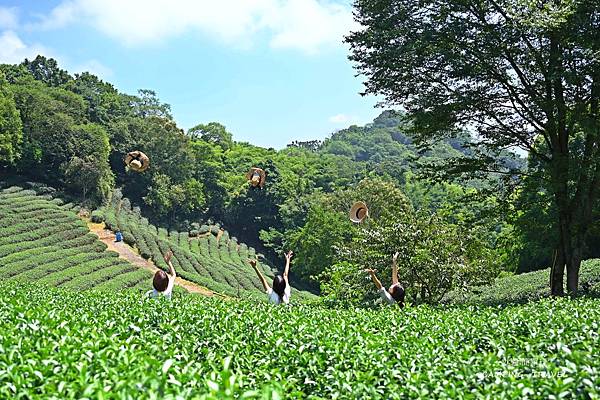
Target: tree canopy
(518,74)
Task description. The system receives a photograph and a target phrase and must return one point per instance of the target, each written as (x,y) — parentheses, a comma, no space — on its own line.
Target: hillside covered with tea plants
(72,131)
(43,240)
(208,256)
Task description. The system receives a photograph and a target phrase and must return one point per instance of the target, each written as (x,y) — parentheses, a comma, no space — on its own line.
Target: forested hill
(74,130)
(381,147)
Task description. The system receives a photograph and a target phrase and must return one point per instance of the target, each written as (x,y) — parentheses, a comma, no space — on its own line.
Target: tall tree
(47,70)
(213,132)
(10,125)
(148,104)
(519,73)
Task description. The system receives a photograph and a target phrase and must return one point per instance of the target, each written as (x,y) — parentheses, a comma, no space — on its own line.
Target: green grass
(42,239)
(528,287)
(216,263)
(60,344)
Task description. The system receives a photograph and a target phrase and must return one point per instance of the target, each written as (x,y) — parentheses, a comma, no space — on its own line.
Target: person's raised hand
(289,255)
(168,256)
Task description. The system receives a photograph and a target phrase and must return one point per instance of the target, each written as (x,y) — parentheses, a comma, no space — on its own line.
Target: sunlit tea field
(57,343)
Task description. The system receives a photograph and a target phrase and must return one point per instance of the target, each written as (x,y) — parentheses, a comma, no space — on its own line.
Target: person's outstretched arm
(168,256)
(395,268)
(260,275)
(288,260)
(172,274)
(374,278)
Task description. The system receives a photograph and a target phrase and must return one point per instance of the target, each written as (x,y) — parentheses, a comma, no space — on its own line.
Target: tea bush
(527,287)
(213,260)
(63,344)
(42,239)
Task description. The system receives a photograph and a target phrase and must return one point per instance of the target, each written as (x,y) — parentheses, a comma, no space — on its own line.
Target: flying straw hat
(137,161)
(256,176)
(359,212)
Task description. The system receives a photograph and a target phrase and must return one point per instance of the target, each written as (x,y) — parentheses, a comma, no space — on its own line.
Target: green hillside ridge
(209,256)
(42,239)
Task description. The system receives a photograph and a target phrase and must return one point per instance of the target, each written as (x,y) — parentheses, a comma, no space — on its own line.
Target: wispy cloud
(8,18)
(306,25)
(94,67)
(343,119)
(13,50)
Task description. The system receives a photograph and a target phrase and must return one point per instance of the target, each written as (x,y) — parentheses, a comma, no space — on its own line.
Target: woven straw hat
(256,176)
(359,212)
(137,161)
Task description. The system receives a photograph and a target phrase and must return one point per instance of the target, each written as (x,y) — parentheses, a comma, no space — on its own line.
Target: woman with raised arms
(281,290)
(395,294)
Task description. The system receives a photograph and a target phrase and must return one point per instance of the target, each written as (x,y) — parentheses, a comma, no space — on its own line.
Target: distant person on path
(163,283)
(118,236)
(281,290)
(395,294)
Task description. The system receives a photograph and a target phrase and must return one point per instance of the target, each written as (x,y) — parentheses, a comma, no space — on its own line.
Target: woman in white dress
(281,290)
(395,294)
(162,282)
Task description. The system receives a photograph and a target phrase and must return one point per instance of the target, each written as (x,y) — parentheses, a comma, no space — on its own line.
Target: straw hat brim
(358,212)
(260,172)
(141,158)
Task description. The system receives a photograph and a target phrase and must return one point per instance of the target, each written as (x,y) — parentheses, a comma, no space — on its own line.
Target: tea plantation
(64,344)
(527,287)
(59,343)
(42,239)
(208,256)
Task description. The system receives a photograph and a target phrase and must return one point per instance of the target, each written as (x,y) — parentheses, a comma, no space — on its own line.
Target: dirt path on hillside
(128,253)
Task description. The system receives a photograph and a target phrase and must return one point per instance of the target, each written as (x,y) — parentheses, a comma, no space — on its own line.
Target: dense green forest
(73,132)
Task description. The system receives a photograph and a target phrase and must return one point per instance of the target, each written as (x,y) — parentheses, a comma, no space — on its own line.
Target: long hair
(397,293)
(160,281)
(279,285)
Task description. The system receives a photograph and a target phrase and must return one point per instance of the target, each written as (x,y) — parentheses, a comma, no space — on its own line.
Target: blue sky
(272,71)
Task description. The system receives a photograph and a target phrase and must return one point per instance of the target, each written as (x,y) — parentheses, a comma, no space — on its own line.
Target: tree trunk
(563,254)
(573,265)
(557,273)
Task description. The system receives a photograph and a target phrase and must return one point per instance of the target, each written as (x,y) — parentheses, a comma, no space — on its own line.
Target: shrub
(97,216)
(129,238)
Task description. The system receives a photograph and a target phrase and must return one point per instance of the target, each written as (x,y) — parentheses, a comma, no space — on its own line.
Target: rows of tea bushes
(207,256)
(42,239)
(526,287)
(65,344)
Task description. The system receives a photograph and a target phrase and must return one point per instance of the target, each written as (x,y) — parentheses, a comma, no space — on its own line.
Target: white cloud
(13,50)
(343,119)
(60,16)
(306,25)
(8,18)
(309,24)
(94,67)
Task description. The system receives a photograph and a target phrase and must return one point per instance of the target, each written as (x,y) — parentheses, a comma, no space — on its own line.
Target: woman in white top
(395,294)
(163,283)
(281,290)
